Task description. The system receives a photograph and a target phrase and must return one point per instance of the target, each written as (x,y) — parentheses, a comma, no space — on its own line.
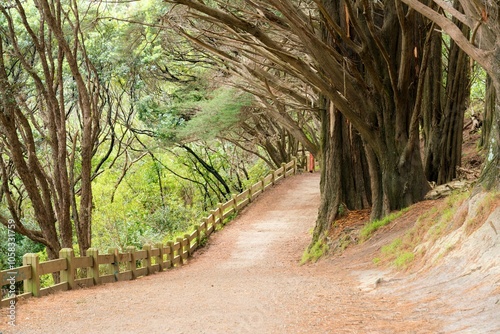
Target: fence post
(235,202)
(171,256)
(198,235)
(93,271)
(273,177)
(188,244)
(205,225)
(33,284)
(185,241)
(295,166)
(68,275)
(114,268)
(221,213)
(250,194)
(132,265)
(161,253)
(263,184)
(186,247)
(283,166)
(180,252)
(147,261)
(214,219)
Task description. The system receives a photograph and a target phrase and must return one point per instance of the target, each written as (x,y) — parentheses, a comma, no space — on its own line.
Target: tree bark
(432,113)
(482,18)
(89,114)
(443,128)
(209,168)
(345,181)
(489,111)
(457,93)
(331,176)
(490,175)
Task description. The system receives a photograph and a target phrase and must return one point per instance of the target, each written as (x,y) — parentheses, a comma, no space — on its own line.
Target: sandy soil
(247,280)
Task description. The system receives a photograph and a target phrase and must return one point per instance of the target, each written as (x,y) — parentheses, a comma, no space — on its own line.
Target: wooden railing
(115,266)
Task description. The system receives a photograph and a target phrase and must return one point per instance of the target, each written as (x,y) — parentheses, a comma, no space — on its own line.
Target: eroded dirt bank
(248,280)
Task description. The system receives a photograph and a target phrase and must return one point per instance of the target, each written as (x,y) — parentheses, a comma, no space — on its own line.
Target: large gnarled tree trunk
(345,179)
(443,107)
(481,17)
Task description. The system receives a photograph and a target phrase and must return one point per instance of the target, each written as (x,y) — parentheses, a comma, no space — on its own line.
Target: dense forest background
(123,122)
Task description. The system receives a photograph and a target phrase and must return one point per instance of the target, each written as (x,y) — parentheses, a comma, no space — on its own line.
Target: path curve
(247,280)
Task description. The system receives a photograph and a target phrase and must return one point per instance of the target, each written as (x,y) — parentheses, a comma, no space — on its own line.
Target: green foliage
(22,245)
(47,279)
(217,114)
(256,172)
(135,212)
(398,253)
(404,259)
(478,84)
(230,218)
(372,227)
(341,210)
(315,252)
(171,219)
(429,226)
(158,117)
(392,247)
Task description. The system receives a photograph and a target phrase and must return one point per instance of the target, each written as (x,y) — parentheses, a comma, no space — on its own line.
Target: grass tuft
(372,227)
(429,227)
(403,260)
(312,254)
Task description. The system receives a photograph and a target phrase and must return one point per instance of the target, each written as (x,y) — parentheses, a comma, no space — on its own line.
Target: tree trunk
(209,168)
(345,182)
(331,176)
(490,176)
(404,182)
(443,128)
(457,97)
(398,180)
(356,191)
(431,109)
(489,111)
(87,103)
(26,163)
(482,47)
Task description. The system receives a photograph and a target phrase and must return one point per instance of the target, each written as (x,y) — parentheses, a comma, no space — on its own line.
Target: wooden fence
(115,266)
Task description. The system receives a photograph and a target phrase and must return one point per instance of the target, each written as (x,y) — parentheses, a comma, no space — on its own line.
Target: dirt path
(248,280)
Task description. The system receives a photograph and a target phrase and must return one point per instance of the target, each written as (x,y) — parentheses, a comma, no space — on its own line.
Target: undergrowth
(313,253)
(485,207)
(429,227)
(367,231)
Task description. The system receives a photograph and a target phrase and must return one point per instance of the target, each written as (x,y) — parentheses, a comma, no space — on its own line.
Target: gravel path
(247,280)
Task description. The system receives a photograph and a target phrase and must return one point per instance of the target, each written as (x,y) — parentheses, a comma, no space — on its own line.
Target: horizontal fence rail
(115,266)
